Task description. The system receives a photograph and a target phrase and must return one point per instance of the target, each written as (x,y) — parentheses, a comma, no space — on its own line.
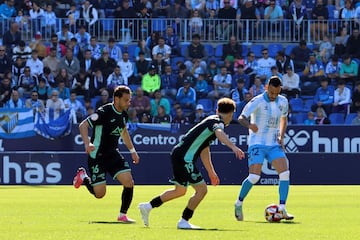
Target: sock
(88,185)
(245,189)
(187,214)
(126,198)
(283,190)
(156,202)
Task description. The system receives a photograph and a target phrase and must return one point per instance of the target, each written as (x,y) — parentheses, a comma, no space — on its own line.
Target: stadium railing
(211,32)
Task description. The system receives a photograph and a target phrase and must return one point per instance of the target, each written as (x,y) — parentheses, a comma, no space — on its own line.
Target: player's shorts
(112,163)
(257,154)
(185,173)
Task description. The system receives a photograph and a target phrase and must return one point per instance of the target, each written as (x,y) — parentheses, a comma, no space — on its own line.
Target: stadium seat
(297,105)
(133,87)
(108,25)
(183,49)
(210,49)
(207,104)
(274,48)
(131,50)
(349,118)
(337,118)
(257,49)
(307,104)
(219,51)
(288,49)
(174,60)
(299,118)
(245,50)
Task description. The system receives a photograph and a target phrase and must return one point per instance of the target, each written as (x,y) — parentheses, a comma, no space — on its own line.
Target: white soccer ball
(272,213)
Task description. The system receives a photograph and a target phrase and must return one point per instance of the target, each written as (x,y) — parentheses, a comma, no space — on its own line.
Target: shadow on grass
(108,222)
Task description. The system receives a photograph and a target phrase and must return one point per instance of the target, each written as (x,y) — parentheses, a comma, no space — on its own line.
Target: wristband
(132,150)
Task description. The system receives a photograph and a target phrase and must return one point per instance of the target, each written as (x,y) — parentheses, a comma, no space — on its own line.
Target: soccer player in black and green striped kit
(109,124)
(195,144)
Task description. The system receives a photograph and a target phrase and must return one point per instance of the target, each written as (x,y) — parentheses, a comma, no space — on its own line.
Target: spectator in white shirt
(127,67)
(264,65)
(35,64)
(342,98)
(290,83)
(162,48)
(222,84)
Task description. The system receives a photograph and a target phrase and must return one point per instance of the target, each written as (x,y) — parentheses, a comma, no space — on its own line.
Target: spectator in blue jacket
(186,95)
(324,97)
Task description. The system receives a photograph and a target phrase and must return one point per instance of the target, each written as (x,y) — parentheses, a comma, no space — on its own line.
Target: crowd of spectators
(75,71)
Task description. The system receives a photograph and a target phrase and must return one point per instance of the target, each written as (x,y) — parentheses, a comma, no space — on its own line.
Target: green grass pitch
(62,212)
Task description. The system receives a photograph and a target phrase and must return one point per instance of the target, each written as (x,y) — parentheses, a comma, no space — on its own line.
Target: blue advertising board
(317,155)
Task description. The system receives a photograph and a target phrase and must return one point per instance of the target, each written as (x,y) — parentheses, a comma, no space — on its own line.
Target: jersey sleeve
(250,107)
(96,118)
(216,123)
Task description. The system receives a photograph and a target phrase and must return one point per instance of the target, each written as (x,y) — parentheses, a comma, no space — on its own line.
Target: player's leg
(157,201)
(255,160)
(281,165)
(96,182)
(194,201)
(126,179)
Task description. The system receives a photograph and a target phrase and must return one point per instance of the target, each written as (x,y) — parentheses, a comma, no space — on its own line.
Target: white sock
(238,203)
(281,207)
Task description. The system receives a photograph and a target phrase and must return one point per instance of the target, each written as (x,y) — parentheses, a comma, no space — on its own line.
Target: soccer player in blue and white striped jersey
(266,118)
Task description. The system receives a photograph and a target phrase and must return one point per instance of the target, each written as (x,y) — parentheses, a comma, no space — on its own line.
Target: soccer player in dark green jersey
(109,124)
(193,145)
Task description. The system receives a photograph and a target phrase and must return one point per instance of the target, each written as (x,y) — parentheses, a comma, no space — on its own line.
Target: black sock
(156,202)
(187,214)
(88,185)
(126,198)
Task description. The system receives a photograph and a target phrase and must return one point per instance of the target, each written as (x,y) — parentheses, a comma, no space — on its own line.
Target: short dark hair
(226,105)
(275,81)
(120,90)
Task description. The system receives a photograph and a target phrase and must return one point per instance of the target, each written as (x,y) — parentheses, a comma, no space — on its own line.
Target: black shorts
(112,162)
(184,173)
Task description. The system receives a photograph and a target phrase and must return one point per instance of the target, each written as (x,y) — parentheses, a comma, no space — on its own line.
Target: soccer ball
(272,213)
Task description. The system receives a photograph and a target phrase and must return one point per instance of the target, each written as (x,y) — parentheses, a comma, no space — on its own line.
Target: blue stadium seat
(297,105)
(108,25)
(349,118)
(274,48)
(174,60)
(299,118)
(245,50)
(219,51)
(131,50)
(210,49)
(337,118)
(307,104)
(207,104)
(289,48)
(257,49)
(183,49)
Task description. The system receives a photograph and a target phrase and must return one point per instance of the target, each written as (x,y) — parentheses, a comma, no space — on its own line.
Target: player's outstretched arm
(206,160)
(220,134)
